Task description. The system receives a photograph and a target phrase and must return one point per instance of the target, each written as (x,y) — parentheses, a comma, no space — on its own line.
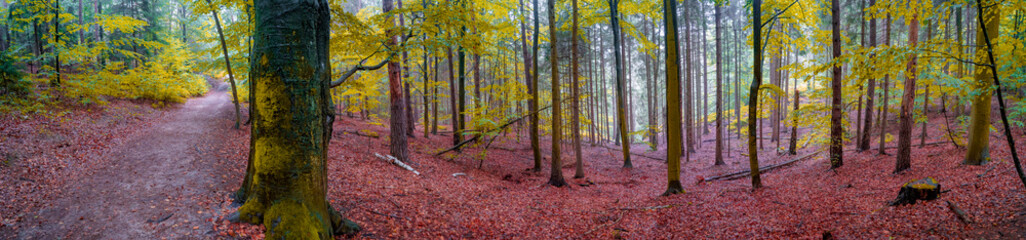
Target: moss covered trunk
(284,188)
(978,151)
(673,101)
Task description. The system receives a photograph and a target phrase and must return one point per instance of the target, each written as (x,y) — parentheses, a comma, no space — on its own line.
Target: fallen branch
(646,208)
(893,147)
(618,218)
(745,173)
(393,160)
(478,136)
(958,212)
(635,154)
(358,133)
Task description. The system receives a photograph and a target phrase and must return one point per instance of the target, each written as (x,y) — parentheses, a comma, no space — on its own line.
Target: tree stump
(922,189)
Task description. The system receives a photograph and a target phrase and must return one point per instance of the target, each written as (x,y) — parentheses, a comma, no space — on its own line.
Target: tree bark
(753,93)
(532,89)
(793,146)
(556,176)
(719,90)
(904,158)
(574,104)
(228,65)
(673,101)
(620,108)
(836,132)
(863,143)
(397,107)
(978,150)
(886,95)
(285,184)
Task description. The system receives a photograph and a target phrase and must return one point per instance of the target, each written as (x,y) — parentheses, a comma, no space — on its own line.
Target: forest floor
(128,171)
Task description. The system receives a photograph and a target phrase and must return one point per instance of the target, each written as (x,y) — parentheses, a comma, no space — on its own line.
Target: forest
(512,119)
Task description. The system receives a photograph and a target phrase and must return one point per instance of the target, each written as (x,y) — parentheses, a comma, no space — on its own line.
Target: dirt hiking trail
(161,184)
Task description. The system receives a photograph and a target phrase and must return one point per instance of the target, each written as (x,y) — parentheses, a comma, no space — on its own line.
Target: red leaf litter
(454,198)
(504,200)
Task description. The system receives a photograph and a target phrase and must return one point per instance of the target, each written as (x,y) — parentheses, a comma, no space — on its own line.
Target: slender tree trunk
(556,176)
(793,147)
(411,122)
(454,120)
(904,158)
(689,108)
(719,90)
(836,132)
(425,91)
(737,81)
(886,95)
(228,65)
(532,89)
(575,105)
(753,93)
(620,111)
(461,96)
(705,75)
(56,46)
(867,123)
(434,99)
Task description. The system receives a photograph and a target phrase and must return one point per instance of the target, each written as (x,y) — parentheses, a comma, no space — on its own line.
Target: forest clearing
(468,119)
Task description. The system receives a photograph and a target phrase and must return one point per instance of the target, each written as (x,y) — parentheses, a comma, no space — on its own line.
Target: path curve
(160,184)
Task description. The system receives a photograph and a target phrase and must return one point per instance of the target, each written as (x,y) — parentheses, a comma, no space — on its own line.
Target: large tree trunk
(620,108)
(673,108)
(556,175)
(753,93)
(836,132)
(904,158)
(719,90)
(863,143)
(285,185)
(397,101)
(228,65)
(574,103)
(978,151)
